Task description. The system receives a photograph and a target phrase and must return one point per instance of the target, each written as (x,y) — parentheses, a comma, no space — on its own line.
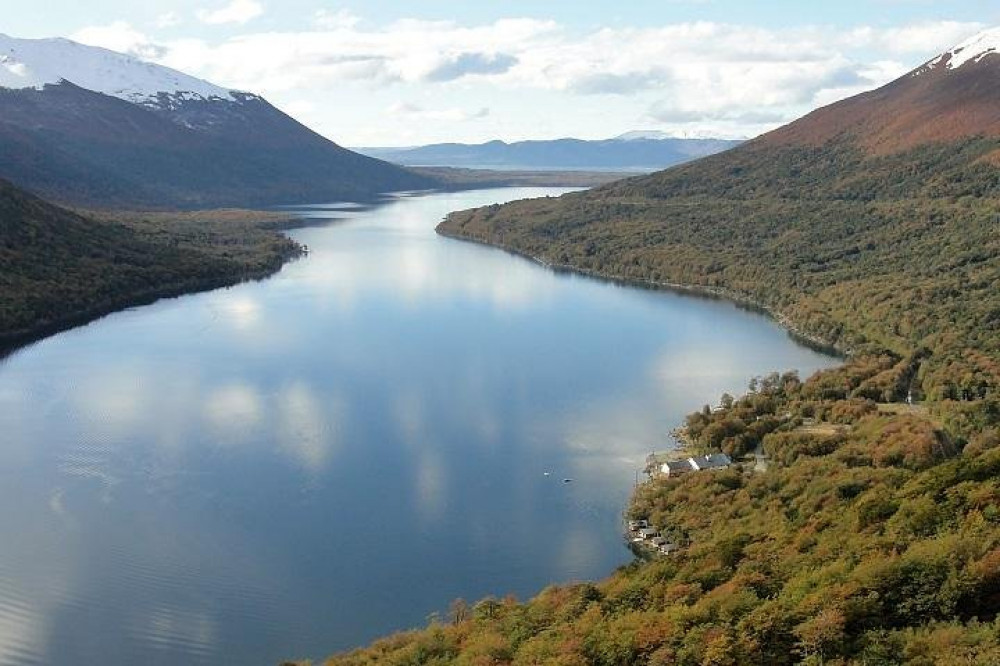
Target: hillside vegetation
(59,268)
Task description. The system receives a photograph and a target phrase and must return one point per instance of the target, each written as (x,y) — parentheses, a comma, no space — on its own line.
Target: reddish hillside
(953,97)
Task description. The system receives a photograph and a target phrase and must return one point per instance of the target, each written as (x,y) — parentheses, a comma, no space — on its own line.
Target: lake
(292,467)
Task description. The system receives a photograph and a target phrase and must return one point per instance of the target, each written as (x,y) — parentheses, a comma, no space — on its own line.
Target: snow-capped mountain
(84,125)
(644,135)
(690,135)
(974,49)
(36,63)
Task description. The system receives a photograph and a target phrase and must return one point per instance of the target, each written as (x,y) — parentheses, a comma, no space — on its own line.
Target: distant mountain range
(92,127)
(634,151)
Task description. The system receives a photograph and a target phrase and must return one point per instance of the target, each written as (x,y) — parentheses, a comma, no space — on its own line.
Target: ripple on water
(176,629)
(20,627)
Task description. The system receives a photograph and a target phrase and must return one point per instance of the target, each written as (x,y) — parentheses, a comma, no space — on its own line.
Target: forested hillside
(59,268)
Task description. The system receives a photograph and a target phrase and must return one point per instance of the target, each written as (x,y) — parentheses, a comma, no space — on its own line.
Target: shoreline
(12,341)
(811,341)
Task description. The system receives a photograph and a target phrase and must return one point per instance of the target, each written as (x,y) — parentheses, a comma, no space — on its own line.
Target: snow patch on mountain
(36,63)
(973,49)
(657,135)
(643,135)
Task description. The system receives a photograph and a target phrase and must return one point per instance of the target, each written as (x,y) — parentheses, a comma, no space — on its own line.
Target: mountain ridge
(60,268)
(131,145)
(936,102)
(35,63)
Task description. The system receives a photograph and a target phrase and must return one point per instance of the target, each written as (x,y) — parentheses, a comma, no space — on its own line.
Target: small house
(648,533)
(676,467)
(634,525)
(667,548)
(711,461)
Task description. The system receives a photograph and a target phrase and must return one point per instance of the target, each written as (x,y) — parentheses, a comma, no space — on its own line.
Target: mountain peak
(952,98)
(973,49)
(36,63)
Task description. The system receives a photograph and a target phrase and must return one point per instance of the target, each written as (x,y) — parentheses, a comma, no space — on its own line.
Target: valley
(365,386)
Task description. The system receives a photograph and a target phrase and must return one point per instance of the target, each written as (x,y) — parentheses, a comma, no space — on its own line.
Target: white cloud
(414,111)
(539,54)
(919,38)
(168,20)
(341,19)
(299,109)
(407,51)
(122,37)
(237,11)
(700,76)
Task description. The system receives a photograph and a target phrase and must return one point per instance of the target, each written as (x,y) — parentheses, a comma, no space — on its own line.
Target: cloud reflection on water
(308,427)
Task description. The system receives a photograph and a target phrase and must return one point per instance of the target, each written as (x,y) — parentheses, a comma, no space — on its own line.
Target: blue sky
(65,16)
(385,72)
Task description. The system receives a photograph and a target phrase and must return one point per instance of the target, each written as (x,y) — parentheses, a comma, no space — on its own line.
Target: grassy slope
(59,268)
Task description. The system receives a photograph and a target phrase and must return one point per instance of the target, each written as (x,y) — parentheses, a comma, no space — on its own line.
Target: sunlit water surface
(292,467)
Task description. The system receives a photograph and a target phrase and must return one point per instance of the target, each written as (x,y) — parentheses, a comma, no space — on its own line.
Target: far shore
(812,341)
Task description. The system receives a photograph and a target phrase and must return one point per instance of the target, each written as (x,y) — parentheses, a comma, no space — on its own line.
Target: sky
(395,73)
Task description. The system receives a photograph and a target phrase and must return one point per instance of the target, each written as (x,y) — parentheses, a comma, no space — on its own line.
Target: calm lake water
(289,468)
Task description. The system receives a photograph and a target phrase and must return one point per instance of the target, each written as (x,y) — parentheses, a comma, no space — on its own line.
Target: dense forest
(59,268)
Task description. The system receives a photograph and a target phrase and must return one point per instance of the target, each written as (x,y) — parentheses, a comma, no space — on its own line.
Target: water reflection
(307,429)
(233,412)
(290,467)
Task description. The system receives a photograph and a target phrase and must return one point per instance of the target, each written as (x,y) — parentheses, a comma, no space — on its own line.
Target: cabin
(634,525)
(676,467)
(648,533)
(668,548)
(695,464)
(712,461)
